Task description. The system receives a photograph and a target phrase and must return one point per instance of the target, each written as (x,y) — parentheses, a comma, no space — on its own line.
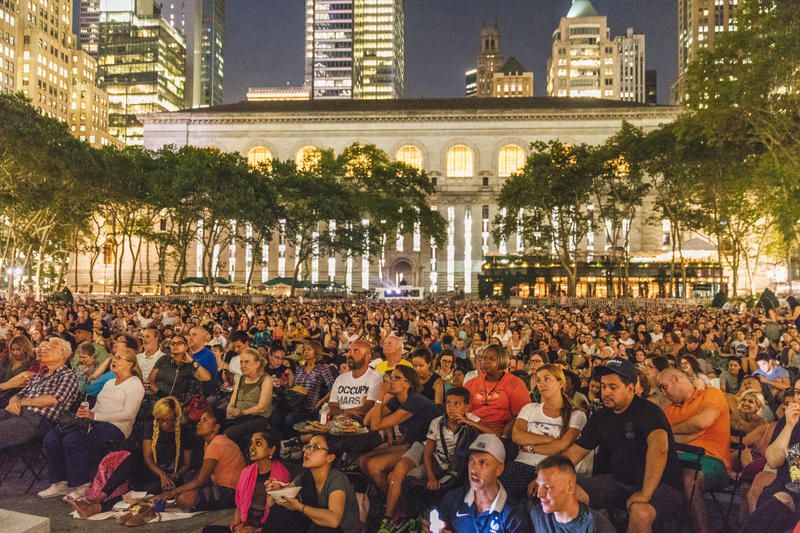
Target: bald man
(699,417)
(198,340)
(392,355)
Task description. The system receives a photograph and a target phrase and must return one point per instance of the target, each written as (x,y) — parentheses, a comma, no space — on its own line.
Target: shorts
(715,477)
(414,453)
(213,498)
(605,492)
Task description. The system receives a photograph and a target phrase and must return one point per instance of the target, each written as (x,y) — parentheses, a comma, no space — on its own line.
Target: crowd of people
(450,416)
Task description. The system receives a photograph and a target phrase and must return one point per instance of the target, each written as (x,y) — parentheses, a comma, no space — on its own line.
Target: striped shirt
(61,384)
(321,374)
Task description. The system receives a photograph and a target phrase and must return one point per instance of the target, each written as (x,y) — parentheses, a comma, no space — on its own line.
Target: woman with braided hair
(166,457)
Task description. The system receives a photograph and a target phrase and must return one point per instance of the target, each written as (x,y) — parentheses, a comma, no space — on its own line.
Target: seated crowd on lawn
(473,416)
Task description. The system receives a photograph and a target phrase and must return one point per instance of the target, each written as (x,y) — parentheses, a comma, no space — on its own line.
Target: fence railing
(636,303)
(126,299)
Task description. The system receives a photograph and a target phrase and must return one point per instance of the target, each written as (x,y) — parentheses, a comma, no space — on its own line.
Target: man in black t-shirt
(636,466)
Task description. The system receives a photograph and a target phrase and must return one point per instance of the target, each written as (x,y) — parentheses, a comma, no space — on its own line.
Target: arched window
(512,158)
(459,162)
(258,155)
(307,157)
(410,155)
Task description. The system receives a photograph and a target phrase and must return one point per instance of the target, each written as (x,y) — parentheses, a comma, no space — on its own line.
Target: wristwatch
(195,364)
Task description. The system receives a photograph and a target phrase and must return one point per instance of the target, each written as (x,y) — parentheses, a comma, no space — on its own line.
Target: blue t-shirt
(587,521)
(774,374)
(460,514)
(207,360)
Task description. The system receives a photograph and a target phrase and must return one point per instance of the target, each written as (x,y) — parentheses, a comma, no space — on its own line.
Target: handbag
(195,407)
(68,422)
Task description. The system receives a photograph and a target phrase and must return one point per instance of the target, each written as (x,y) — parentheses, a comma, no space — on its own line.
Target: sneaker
(386,526)
(54,491)
(77,493)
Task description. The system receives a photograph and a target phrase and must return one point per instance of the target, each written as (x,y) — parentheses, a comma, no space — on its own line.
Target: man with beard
(353,393)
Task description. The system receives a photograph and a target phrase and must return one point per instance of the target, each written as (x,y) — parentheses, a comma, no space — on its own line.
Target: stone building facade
(468,146)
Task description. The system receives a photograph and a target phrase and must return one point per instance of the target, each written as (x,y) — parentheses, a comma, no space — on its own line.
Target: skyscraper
(489,60)
(700,22)
(584,57)
(651,87)
(631,66)
(471,83)
(9,18)
(89,26)
(141,60)
(202,23)
(355,49)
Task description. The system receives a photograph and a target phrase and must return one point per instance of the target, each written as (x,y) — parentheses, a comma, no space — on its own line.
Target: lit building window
(410,155)
(307,157)
(512,158)
(258,155)
(459,162)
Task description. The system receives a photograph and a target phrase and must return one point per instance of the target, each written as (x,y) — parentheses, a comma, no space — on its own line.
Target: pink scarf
(247,486)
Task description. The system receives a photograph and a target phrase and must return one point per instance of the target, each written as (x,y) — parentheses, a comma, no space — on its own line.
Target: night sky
(264,40)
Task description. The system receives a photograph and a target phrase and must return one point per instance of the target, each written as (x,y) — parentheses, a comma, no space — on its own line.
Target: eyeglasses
(314,448)
(176,342)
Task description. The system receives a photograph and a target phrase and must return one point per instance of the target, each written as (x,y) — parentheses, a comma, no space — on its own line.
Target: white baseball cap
(491,444)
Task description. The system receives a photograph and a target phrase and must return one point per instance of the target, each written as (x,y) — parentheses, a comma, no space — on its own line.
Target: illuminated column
(264,263)
(520,229)
(434,276)
(468,249)
(248,253)
(399,242)
(232,252)
(297,241)
(451,248)
(502,248)
(365,257)
(282,249)
(485,230)
(199,252)
(315,257)
(331,257)
(590,234)
(215,260)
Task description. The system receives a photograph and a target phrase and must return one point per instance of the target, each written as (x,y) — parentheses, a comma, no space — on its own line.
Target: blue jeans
(68,455)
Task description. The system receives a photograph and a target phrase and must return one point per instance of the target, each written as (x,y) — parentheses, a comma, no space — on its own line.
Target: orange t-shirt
(499,402)
(230,461)
(716,440)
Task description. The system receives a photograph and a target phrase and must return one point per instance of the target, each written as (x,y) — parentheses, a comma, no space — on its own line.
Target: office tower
(584,57)
(489,60)
(471,83)
(700,22)
(355,49)
(512,81)
(651,87)
(44,43)
(202,23)
(88,114)
(141,60)
(275,94)
(89,26)
(631,66)
(8,46)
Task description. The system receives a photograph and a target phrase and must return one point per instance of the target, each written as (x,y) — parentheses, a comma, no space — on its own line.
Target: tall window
(410,155)
(258,155)
(307,157)
(512,158)
(459,162)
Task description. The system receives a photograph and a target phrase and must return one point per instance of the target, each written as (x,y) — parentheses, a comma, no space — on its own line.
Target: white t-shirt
(541,424)
(118,404)
(235,365)
(350,392)
(147,363)
(450,440)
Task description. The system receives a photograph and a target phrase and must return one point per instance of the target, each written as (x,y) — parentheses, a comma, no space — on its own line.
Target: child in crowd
(86,366)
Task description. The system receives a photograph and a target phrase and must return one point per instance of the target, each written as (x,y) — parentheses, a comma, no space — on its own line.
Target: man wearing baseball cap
(484,505)
(636,467)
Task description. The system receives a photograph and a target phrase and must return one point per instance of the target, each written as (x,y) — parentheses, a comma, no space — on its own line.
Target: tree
(546,202)
(617,192)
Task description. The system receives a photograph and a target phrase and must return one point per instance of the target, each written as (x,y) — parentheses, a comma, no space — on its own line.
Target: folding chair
(733,483)
(32,458)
